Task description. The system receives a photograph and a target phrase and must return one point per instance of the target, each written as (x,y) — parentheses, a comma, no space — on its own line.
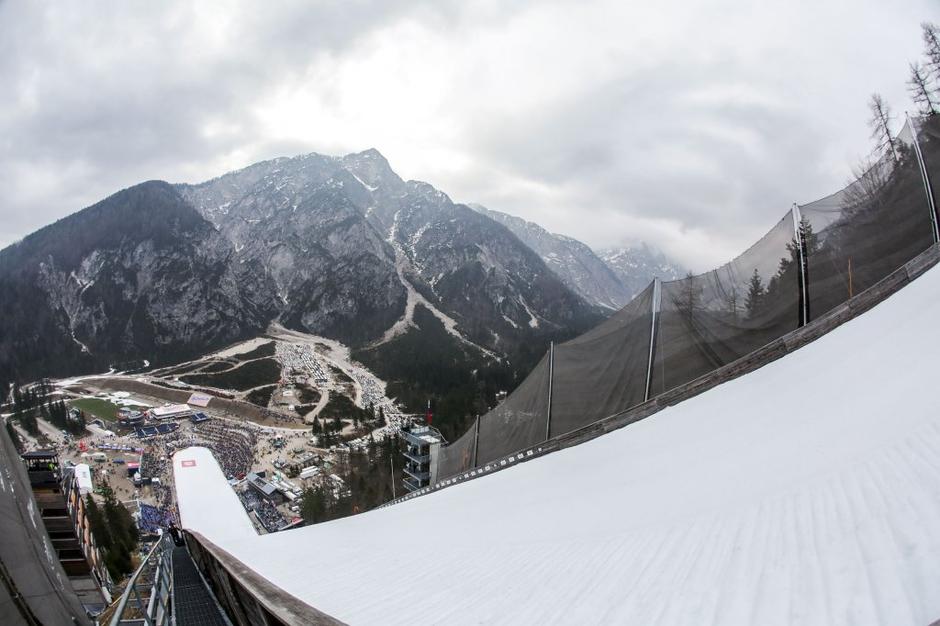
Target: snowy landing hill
(803,493)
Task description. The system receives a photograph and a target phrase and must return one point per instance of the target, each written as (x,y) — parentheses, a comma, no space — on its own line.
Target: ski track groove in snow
(731,508)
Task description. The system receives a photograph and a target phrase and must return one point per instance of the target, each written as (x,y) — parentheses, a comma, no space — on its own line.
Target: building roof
(171,409)
(206,501)
(422,434)
(263,486)
(40,454)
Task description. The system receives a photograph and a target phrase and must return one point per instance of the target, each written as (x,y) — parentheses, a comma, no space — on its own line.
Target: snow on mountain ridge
(605,281)
(298,220)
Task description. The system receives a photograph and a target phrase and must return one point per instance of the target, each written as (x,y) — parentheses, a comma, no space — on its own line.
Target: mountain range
(608,278)
(336,246)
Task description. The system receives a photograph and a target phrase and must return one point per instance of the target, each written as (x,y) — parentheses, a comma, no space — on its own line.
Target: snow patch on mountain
(608,283)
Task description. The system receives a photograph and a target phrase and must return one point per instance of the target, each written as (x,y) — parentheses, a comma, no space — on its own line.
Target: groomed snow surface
(807,492)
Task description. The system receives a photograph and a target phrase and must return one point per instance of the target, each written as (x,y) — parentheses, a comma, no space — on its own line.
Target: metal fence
(147,599)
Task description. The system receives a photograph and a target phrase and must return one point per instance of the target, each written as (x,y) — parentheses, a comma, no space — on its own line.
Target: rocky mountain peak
(372,169)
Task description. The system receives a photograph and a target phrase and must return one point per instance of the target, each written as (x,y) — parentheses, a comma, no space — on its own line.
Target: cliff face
(139,275)
(349,246)
(608,278)
(341,247)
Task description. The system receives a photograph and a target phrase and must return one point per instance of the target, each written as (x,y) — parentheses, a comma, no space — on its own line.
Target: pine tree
(688,301)
(754,302)
(313,505)
(931,36)
(14,437)
(919,87)
(17,399)
(27,419)
(880,124)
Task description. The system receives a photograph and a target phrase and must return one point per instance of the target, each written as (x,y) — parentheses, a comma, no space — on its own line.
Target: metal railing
(417,475)
(420,459)
(147,599)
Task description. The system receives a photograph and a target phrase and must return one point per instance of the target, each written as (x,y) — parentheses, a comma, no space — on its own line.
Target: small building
(306,461)
(422,445)
(83,479)
(170,411)
(264,489)
(129,417)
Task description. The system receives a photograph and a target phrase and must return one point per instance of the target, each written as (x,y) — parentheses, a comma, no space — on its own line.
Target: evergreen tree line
(33,400)
(8,423)
(328,429)
(57,414)
(27,402)
(115,533)
(368,477)
(429,364)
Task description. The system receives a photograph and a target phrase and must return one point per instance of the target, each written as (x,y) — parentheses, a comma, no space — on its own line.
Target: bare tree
(868,191)
(880,124)
(919,87)
(931,35)
(689,301)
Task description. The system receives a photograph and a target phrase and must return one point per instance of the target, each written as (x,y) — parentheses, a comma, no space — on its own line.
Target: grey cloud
(637,146)
(99,96)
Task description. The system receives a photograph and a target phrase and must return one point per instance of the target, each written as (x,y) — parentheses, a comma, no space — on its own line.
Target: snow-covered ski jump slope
(807,492)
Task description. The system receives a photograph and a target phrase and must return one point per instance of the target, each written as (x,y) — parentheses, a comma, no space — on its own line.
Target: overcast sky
(690,125)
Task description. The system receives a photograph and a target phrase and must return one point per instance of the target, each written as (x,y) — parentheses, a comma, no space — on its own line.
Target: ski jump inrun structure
(804,492)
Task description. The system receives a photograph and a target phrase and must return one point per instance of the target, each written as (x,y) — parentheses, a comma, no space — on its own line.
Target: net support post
(654,319)
(476,441)
(926,178)
(800,239)
(551,380)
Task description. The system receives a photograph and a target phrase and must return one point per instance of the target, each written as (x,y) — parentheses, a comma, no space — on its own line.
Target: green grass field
(97,407)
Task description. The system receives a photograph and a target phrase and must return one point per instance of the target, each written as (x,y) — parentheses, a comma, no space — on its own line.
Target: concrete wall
(33,586)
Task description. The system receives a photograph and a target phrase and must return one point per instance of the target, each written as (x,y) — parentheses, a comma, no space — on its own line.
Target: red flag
(429,417)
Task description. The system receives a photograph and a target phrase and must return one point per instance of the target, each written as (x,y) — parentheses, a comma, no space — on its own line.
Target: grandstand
(146,432)
(153,519)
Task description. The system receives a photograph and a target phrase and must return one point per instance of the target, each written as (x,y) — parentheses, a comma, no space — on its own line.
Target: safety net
(711,319)
(457,456)
(603,371)
(860,234)
(815,258)
(928,138)
(520,420)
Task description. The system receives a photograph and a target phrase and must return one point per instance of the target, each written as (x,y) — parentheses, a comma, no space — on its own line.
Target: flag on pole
(429,416)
